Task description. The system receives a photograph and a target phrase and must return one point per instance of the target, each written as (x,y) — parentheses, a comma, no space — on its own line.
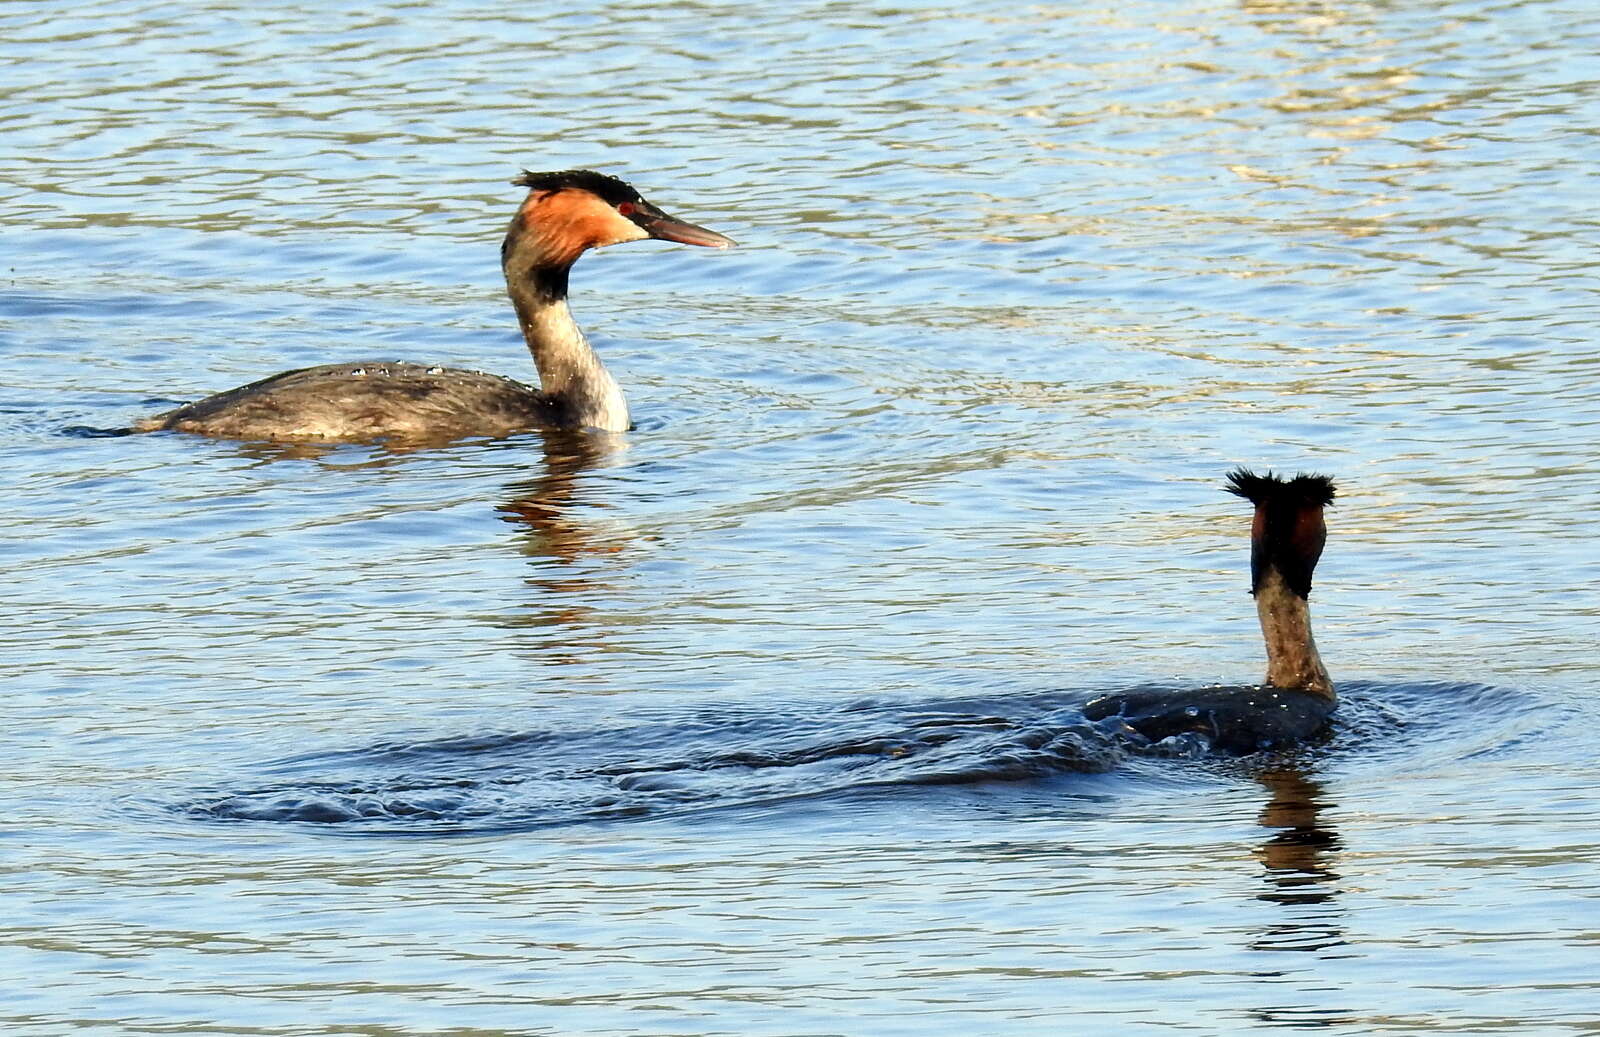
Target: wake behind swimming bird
(720,757)
(661,764)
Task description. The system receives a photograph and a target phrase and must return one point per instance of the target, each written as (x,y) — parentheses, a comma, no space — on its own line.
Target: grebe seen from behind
(564,215)
(1297,697)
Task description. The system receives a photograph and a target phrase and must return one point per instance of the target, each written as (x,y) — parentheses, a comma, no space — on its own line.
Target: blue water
(765,717)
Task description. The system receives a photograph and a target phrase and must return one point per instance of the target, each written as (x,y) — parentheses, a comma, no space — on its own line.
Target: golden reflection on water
(542,506)
(548,532)
(1299,860)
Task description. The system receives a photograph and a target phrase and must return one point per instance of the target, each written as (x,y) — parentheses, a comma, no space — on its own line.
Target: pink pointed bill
(660,225)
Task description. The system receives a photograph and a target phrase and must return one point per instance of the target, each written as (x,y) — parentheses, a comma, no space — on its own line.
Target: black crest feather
(609,188)
(1282,540)
(1275,490)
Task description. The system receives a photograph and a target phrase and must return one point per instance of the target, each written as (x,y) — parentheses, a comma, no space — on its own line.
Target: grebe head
(1288,532)
(569,212)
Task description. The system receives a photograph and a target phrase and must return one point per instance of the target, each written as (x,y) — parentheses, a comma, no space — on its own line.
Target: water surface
(764,718)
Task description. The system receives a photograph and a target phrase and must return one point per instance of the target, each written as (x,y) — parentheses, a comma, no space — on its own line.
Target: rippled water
(764,718)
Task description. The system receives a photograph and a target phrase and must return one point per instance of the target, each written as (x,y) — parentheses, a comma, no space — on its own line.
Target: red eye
(626,208)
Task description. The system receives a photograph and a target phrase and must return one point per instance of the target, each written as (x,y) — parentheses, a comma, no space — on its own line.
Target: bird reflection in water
(1298,862)
(1302,884)
(560,546)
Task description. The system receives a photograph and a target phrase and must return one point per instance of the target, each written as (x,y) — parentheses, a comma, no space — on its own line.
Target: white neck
(574,380)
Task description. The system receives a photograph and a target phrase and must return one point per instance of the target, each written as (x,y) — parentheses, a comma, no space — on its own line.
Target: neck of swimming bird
(1292,660)
(570,373)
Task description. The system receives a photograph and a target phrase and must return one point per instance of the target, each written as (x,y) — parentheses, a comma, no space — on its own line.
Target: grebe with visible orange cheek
(564,215)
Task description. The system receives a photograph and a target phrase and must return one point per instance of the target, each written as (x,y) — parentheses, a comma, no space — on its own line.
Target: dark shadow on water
(90,432)
(150,405)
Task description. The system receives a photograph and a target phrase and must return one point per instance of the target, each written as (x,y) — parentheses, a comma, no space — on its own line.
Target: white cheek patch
(618,228)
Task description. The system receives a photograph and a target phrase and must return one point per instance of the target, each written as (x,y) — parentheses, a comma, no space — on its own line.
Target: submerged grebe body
(1297,697)
(564,215)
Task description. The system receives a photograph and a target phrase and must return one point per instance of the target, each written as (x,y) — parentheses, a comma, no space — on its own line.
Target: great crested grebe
(564,215)
(1296,699)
